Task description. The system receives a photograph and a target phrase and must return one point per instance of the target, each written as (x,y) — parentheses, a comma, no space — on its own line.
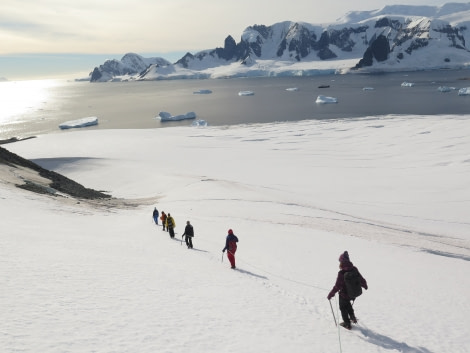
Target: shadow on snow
(389,343)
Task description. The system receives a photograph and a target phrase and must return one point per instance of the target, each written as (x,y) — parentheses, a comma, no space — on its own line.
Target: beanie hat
(344,257)
(230,231)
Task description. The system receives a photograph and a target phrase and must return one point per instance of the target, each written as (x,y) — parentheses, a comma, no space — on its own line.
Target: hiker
(163,219)
(347,311)
(188,234)
(155,216)
(231,247)
(170,225)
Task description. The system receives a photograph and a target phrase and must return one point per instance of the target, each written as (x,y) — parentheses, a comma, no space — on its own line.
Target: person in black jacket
(188,234)
(347,311)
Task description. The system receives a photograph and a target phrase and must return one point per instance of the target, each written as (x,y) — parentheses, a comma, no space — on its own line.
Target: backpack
(352,280)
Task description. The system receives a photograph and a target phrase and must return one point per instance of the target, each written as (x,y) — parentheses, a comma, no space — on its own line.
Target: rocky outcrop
(379,50)
(55,181)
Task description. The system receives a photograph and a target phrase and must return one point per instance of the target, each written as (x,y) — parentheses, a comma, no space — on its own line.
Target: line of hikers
(349,282)
(168,222)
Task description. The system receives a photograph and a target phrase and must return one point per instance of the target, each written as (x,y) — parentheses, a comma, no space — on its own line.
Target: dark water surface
(136,104)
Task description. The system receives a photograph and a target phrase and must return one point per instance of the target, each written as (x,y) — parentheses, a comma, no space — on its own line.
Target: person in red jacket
(347,311)
(231,247)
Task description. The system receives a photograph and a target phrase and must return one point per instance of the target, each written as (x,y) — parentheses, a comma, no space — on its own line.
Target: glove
(330,295)
(366,287)
(223,250)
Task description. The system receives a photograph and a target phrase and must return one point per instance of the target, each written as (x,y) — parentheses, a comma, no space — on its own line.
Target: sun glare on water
(18,98)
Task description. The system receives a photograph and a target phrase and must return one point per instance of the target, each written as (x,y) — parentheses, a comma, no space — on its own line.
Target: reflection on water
(21,97)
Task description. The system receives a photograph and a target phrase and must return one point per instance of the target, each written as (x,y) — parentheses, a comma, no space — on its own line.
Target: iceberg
(203,91)
(324,99)
(199,122)
(246,93)
(292,89)
(407,84)
(88,121)
(165,116)
(368,88)
(464,91)
(445,89)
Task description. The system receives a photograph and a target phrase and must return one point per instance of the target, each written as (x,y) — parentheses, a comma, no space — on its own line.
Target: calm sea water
(38,107)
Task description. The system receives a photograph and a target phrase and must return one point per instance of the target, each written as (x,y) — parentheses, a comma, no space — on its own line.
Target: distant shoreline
(15,139)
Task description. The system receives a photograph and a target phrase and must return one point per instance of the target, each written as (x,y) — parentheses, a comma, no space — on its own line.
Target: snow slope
(393,191)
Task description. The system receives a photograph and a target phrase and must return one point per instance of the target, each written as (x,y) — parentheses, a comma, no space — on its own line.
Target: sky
(393,191)
(38,35)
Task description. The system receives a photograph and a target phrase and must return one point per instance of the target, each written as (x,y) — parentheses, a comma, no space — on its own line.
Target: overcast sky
(166,27)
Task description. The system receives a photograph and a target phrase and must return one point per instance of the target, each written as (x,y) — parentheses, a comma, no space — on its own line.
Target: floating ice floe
(199,122)
(203,91)
(324,100)
(292,89)
(88,121)
(165,116)
(246,93)
(445,89)
(407,84)
(368,88)
(464,91)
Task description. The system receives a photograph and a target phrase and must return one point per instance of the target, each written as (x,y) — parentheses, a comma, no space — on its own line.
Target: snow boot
(346,325)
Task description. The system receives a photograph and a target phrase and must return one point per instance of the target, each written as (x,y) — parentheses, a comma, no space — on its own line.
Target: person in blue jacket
(155,216)
(231,247)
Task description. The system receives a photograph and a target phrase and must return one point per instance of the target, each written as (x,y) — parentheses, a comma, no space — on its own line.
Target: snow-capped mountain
(395,38)
(130,64)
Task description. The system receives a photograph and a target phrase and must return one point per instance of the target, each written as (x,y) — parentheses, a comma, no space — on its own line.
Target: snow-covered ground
(394,191)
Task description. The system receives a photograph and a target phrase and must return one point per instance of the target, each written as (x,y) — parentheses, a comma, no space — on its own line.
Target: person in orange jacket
(163,219)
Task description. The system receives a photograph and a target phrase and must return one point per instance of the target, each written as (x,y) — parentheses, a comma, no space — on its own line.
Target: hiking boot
(354,320)
(346,325)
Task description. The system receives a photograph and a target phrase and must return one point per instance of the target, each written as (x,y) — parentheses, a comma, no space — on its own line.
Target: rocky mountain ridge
(394,38)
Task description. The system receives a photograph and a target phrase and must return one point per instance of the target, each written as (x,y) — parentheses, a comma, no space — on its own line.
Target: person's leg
(231,258)
(344,305)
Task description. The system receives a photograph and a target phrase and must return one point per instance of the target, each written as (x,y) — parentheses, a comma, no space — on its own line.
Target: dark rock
(58,182)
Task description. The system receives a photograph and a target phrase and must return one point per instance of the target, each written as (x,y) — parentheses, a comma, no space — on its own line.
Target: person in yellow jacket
(170,225)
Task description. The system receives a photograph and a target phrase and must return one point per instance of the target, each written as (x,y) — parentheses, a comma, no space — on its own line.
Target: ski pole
(222,256)
(334,317)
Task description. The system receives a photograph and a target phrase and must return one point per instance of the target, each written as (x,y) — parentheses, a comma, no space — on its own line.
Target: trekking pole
(339,330)
(222,256)
(334,317)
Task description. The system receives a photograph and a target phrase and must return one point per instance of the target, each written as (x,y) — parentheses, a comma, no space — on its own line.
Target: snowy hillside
(395,38)
(81,276)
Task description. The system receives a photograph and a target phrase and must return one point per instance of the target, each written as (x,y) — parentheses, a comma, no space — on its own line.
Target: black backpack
(352,279)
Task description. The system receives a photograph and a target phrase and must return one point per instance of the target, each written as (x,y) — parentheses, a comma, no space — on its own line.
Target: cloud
(110,26)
